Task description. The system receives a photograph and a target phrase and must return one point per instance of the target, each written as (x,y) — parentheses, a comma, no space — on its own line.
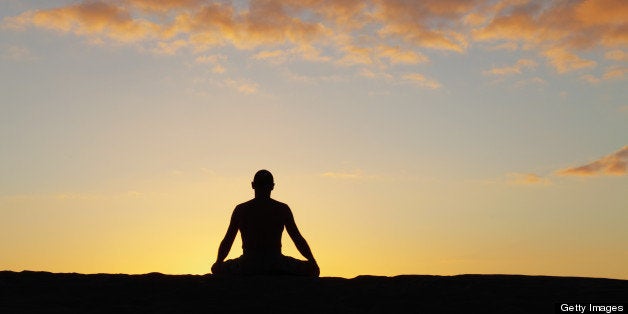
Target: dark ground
(44,292)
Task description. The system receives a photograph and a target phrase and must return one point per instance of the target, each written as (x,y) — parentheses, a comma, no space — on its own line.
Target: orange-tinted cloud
(617,55)
(422,81)
(565,61)
(513,69)
(215,61)
(614,164)
(611,73)
(16,53)
(162,5)
(90,18)
(376,33)
(526,179)
(429,23)
(397,55)
(615,73)
(243,86)
(533,81)
(270,54)
(559,30)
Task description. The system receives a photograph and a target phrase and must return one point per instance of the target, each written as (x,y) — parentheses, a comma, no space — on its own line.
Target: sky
(434,137)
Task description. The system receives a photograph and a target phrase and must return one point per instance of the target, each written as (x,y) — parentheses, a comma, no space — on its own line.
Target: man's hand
(314,265)
(216,267)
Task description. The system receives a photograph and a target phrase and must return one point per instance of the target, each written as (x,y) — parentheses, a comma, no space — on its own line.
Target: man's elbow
(225,243)
(300,241)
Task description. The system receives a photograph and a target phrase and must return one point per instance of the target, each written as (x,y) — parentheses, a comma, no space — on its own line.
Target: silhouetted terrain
(157,293)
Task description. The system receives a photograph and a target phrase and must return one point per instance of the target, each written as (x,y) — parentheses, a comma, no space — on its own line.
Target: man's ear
(272,187)
(253,185)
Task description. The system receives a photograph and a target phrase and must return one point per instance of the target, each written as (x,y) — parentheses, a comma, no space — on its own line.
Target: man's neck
(262,196)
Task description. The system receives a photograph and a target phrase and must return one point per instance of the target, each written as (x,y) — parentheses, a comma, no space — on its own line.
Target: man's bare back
(261,222)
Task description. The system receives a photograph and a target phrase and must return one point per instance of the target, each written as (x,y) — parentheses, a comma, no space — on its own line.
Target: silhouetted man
(261,222)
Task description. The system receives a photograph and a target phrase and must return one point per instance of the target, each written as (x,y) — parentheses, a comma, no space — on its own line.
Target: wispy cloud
(615,73)
(611,73)
(297,77)
(526,179)
(242,85)
(397,55)
(617,55)
(613,164)
(565,61)
(351,32)
(421,81)
(558,30)
(276,54)
(533,81)
(215,61)
(89,18)
(516,68)
(16,53)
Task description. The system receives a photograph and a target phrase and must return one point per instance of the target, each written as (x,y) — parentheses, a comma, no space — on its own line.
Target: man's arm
(232,231)
(297,238)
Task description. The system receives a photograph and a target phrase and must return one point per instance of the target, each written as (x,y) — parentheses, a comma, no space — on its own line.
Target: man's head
(263,182)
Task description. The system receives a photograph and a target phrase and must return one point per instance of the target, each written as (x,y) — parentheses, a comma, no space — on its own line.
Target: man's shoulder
(245,204)
(278,203)
(254,203)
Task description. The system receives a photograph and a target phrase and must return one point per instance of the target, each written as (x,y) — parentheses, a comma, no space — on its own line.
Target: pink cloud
(517,68)
(613,164)
(375,33)
(526,179)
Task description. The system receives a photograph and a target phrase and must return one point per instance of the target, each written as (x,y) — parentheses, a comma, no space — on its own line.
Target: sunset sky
(408,137)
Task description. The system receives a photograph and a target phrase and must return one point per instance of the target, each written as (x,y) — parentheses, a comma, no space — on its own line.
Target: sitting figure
(261,222)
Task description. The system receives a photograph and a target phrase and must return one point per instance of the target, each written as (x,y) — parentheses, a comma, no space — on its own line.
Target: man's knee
(228,267)
(216,269)
(296,267)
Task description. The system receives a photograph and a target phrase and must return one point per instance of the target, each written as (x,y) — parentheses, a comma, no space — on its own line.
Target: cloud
(313,79)
(243,86)
(215,61)
(590,78)
(397,55)
(513,69)
(421,81)
(526,179)
(615,72)
(89,18)
(429,23)
(374,33)
(510,46)
(565,61)
(365,72)
(270,54)
(170,47)
(530,82)
(617,55)
(163,6)
(611,73)
(16,53)
(557,29)
(613,164)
